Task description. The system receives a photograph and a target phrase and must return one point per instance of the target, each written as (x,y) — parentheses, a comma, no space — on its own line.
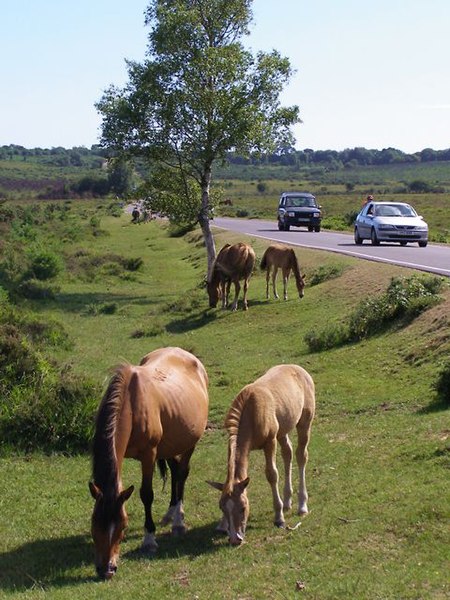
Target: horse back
(274,404)
(168,396)
(236,261)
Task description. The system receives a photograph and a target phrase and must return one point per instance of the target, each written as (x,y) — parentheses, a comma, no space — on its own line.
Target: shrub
(33,289)
(325,272)
(44,265)
(442,385)
(405,298)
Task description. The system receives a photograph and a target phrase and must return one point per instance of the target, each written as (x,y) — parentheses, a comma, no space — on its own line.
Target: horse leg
(169,516)
(287,454)
(267,282)
(245,293)
(225,293)
(146,492)
(182,473)
(237,289)
(303,432)
(274,281)
(270,451)
(286,273)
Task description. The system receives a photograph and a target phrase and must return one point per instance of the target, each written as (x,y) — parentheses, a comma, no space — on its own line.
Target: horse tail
(264,261)
(162,468)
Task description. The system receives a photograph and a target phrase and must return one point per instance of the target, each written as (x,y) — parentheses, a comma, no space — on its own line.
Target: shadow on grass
(78,302)
(439,404)
(203,318)
(42,564)
(196,542)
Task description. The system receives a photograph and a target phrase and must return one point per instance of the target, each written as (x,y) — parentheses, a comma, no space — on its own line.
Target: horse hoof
(280,524)
(179,530)
(149,549)
(303,510)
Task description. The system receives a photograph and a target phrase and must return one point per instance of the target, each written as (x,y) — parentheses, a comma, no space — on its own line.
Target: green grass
(379,454)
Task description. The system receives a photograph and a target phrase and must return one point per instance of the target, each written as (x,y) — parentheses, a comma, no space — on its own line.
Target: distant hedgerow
(405,298)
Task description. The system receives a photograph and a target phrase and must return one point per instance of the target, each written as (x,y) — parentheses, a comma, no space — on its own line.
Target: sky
(368,73)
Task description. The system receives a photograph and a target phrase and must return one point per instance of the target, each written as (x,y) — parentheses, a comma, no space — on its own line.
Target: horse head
(235,508)
(213,293)
(109,520)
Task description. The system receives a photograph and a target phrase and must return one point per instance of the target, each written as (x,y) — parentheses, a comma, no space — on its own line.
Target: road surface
(435,258)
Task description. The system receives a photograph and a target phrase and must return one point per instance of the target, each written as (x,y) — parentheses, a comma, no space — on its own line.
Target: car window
(387,211)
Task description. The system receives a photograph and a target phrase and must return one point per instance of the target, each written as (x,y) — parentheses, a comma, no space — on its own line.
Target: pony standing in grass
(281,257)
(262,415)
(154,412)
(233,264)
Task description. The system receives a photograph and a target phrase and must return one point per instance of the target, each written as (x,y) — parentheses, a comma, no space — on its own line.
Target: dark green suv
(298,209)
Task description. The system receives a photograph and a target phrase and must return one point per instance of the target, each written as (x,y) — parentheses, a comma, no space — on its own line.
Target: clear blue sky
(372,73)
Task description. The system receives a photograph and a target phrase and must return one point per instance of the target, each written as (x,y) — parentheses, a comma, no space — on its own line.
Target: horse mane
(104,464)
(232,423)
(296,270)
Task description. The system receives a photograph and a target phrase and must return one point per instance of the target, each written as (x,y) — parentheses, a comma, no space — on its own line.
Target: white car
(390,222)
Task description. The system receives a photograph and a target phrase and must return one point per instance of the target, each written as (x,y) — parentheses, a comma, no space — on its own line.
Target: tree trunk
(204,220)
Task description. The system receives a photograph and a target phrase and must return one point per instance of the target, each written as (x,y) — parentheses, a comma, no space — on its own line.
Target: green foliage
(44,407)
(442,385)
(35,289)
(44,265)
(405,299)
(323,273)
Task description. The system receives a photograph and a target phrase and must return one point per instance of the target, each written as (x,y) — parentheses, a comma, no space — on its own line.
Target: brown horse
(154,412)
(233,263)
(281,257)
(263,413)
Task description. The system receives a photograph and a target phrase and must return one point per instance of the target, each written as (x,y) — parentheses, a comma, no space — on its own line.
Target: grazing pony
(233,263)
(263,413)
(154,412)
(278,256)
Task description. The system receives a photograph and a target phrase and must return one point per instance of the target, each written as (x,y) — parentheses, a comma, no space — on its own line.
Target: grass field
(379,454)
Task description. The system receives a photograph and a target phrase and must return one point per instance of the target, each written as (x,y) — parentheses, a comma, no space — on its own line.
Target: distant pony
(281,257)
(233,263)
(260,417)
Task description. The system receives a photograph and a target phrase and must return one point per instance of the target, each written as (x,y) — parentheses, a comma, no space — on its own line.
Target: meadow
(379,454)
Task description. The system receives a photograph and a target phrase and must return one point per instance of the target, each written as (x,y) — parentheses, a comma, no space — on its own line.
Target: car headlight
(385,226)
(316,215)
(291,214)
(421,228)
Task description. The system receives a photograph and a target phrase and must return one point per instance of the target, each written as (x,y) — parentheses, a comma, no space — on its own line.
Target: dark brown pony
(154,412)
(233,263)
(262,414)
(281,257)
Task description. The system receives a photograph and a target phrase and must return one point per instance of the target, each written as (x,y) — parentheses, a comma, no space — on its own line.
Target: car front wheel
(374,238)
(358,238)
(423,244)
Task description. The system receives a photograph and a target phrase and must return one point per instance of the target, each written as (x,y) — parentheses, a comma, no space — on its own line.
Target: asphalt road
(435,258)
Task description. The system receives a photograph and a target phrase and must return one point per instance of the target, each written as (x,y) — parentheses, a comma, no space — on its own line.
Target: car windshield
(394,210)
(300,201)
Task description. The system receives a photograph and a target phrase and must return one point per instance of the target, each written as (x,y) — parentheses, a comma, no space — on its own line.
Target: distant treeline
(332,159)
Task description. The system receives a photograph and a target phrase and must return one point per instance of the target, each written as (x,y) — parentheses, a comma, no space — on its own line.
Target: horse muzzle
(107,573)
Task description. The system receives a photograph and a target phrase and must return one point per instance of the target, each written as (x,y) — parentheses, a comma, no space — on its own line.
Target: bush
(325,272)
(33,289)
(405,299)
(442,385)
(43,407)
(44,265)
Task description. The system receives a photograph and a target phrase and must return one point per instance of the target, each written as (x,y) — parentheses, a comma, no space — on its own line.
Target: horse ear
(95,490)
(125,494)
(217,486)
(243,484)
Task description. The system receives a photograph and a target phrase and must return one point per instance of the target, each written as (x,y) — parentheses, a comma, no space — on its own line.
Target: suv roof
(307,194)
